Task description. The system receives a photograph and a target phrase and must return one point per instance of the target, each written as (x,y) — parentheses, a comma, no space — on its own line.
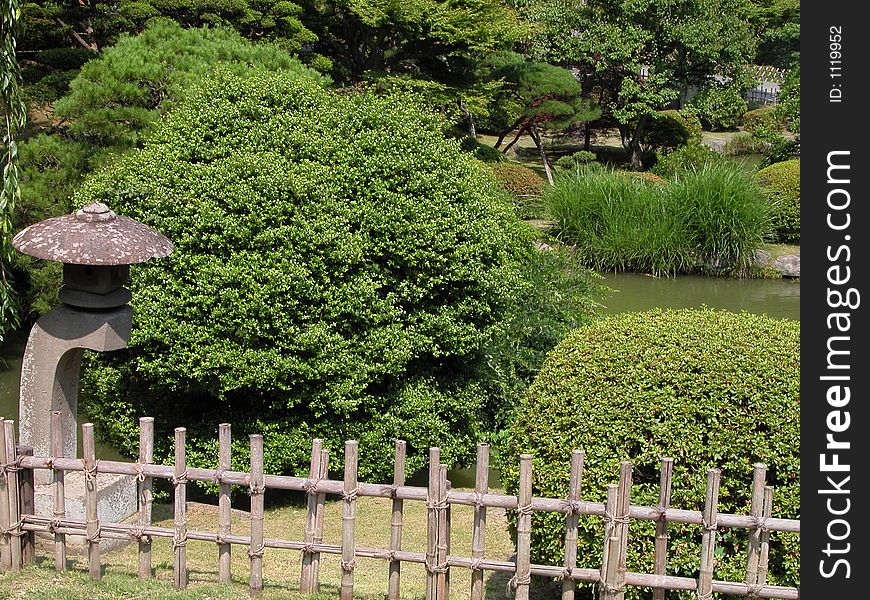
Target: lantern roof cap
(93,235)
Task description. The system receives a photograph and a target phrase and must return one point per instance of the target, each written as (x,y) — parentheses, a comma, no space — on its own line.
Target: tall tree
(537,96)
(639,56)
(14,118)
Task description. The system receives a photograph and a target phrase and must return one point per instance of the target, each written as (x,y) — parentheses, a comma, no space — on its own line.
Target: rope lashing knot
(137,532)
(611,518)
(16,529)
(760,523)
(90,473)
(754,590)
(433,568)
(436,504)
(308,548)
(256,488)
(478,500)
(220,539)
(94,537)
(348,566)
(517,580)
(53,526)
(12,467)
(256,552)
(711,526)
(707,596)
(179,540)
(391,556)
(566,573)
(525,510)
(140,472)
(180,479)
(350,495)
(477,564)
(394,491)
(310,486)
(218,476)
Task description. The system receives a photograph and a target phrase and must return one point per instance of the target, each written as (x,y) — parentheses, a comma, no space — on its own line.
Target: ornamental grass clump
(725,212)
(706,388)
(339,271)
(714,216)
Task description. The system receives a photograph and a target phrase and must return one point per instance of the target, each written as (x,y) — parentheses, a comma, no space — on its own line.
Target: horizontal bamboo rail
(612,578)
(378,490)
(123,531)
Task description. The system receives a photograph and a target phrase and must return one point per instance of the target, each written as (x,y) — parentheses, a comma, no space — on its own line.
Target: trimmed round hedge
(339,270)
(707,388)
(782,182)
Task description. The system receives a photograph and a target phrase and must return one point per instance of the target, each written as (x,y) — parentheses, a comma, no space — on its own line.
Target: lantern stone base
(116,503)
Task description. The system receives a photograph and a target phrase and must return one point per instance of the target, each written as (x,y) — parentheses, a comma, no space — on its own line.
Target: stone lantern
(96,247)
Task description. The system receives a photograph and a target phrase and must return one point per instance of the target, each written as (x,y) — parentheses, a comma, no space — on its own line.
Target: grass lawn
(281,568)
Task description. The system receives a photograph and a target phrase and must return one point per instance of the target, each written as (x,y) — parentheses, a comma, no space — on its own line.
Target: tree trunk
(634,144)
(504,133)
(587,136)
(536,136)
(472,131)
(521,131)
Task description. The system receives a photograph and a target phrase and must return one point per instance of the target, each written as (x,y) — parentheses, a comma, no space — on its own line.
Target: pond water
(778,298)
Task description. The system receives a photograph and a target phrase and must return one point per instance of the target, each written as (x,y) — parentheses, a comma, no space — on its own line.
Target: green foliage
(762,122)
(14,119)
(668,130)
(712,217)
(481,151)
(789,108)
(686,158)
(339,269)
(118,96)
(576,159)
(744,143)
(639,55)
(720,106)
(707,388)
(429,39)
(777,27)
(100,23)
(548,95)
(523,184)
(782,182)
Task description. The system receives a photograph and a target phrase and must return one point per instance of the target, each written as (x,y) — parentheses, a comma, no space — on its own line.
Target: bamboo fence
(18,523)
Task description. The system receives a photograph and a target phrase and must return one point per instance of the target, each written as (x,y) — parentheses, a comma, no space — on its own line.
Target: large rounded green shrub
(707,388)
(669,129)
(339,268)
(782,182)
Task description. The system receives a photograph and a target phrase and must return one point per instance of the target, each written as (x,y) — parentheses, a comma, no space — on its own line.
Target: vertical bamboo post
(448,529)
(708,543)
(348,518)
(621,530)
(93,524)
(25,484)
(610,553)
(478,534)
(58,491)
(432,523)
(5,546)
(179,540)
(661,543)
(258,490)
(146,485)
(764,554)
(318,522)
(755,509)
(575,486)
(524,528)
(394,588)
(14,514)
(305,583)
(225,511)
(443,546)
